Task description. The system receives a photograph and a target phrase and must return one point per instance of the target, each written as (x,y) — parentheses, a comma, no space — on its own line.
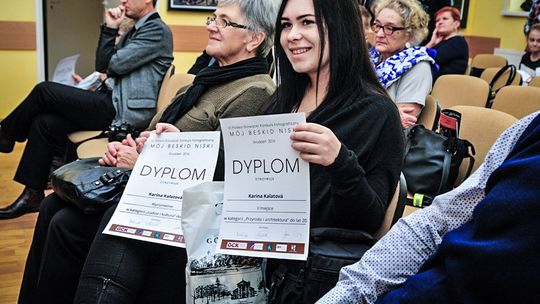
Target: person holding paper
(135,66)
(240,36)
(352,139)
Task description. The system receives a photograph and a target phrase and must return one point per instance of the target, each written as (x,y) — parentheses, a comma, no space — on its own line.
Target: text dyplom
(151,207)
(266,197)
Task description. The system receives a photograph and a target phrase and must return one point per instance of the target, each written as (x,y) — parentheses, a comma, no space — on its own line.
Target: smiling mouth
(300,51)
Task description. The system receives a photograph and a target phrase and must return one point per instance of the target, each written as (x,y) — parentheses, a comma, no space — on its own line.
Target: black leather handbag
(88,185)
(432,161)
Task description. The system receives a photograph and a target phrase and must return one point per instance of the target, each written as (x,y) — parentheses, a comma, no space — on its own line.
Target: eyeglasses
(220,22)
(387,29)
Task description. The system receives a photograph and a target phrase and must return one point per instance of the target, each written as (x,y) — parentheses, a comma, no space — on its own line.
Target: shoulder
(377,106)
(256,85)
(419,71)
(155,25)
(260,81)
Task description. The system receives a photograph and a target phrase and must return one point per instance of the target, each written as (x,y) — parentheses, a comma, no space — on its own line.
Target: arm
(435,39)
(411,93)
(401,252)
(143,48)
(354,191)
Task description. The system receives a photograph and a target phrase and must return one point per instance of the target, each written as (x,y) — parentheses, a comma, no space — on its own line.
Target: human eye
(308,21)
(389,28)
(285,24)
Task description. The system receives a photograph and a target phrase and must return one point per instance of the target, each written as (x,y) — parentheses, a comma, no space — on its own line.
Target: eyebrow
(299,17)
(391,23)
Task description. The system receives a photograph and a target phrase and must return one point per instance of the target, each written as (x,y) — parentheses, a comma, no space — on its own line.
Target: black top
(354,192)
(452,55)
(532,65)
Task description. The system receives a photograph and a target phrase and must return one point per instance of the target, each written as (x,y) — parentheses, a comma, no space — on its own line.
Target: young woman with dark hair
(352,139)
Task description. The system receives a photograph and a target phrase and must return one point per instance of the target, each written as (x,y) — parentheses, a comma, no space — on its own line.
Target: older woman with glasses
(403,69)
(118,270)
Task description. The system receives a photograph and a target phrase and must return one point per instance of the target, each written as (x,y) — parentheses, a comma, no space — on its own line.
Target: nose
(294,34)
(212,27)
(379,33)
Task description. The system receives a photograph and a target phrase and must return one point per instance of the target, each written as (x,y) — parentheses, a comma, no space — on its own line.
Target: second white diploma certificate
(151,207)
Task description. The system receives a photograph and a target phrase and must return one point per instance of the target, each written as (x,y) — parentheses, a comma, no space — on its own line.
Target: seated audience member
(452,49)
(367,19)
(135,66)
(530,61)
(240,36)
(349,120)
(431,7)
(403,69)
(476,244)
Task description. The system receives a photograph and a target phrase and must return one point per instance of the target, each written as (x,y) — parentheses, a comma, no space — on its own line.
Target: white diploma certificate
(63,73)
(151,207)
(266,197)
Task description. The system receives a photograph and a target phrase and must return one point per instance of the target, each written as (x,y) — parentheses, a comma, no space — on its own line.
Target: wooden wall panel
(17,35)
(482,45)
(189,38)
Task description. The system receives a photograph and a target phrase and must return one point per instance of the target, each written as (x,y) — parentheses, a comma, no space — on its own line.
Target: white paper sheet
(151,207)
(267,197)
(63,73)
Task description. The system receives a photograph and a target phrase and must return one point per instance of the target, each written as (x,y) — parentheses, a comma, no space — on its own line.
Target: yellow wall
(19,67)
(485,19)
(183,60)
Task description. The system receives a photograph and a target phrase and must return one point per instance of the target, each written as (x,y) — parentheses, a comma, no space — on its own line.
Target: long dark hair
(351,72)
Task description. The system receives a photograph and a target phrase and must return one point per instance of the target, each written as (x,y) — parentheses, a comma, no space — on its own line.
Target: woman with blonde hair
(405,70)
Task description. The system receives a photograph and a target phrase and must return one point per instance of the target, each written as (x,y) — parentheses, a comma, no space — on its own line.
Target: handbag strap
(109,177)
(446,169)
(408,134)
(501,72)
(471,158)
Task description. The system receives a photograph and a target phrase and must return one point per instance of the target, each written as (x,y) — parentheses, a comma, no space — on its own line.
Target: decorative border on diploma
(262,246)
(151,234)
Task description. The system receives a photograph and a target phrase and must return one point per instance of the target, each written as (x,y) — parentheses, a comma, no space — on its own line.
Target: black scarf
(208,77)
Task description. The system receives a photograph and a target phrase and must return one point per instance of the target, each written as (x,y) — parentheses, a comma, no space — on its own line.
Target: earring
(408,45)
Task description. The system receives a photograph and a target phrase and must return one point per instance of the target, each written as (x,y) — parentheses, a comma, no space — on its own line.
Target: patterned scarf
(391,69)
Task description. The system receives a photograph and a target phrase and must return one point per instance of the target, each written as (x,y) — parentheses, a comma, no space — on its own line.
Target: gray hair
(260,17)
(412,14)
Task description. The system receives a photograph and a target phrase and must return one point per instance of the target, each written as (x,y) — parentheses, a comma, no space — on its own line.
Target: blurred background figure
(452,49)
(431,7)
(530,62)
(367,20)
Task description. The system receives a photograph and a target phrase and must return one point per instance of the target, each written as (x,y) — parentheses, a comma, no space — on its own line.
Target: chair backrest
(508,77)
(175,83)
(481,126)
(165,83)
(395,209)
(484,61)
(429,117)
(517,101)
(453,90)
(535,82)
